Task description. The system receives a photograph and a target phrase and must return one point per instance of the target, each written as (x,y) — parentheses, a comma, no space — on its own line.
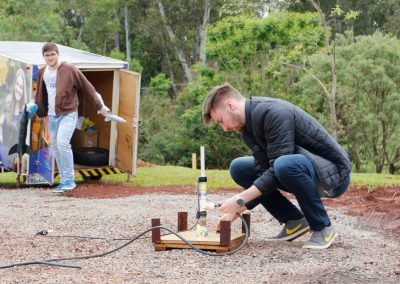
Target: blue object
(40,162)
(35,72)
(31,109)
(69,185)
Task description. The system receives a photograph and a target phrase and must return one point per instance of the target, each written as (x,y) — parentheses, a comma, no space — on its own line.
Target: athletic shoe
(69,185)
(59,188)
(321,239)
(292,230)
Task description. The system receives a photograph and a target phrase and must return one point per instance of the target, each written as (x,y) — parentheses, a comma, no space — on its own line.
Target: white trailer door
(127,133)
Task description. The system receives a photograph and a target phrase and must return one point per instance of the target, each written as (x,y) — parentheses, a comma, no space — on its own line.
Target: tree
(172,37)
(375,15)
(100,26)
(245,50)
(90,25)
(244,7)
(369,101)
(391,10)
(127,33)
(330,51)
(159,136)
(27,20)
(374,81)
(241,50)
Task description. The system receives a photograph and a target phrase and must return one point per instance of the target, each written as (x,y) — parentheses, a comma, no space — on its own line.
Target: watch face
(239,201)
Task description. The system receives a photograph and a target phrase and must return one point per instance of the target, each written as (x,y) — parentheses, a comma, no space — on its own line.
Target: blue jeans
(61,129)
(296,174)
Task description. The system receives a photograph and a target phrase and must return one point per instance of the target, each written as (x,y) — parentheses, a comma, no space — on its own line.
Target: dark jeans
(296,175)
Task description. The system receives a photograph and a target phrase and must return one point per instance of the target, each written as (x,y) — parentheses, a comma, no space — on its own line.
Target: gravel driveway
(359,255)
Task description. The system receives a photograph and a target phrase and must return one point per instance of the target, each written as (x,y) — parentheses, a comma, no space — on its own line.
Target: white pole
(202,162)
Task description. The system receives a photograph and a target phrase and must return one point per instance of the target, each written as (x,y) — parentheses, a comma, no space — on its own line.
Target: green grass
(374,180)
(172,175)
(7,179)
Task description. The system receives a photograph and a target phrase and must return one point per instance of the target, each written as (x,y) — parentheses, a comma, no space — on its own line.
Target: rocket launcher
(201,187)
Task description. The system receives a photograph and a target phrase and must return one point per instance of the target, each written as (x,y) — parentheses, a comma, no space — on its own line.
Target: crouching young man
(291,152)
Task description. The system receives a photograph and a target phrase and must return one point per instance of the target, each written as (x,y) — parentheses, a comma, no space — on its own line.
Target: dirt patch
(96,190)
(379,208)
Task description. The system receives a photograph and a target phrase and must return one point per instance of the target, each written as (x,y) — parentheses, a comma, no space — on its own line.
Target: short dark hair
(215,96)
(49,46)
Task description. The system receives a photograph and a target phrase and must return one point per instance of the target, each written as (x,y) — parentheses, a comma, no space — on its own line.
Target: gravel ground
(359,255)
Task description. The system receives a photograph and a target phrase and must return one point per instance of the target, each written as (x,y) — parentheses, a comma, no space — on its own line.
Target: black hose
(46,233)
(77,237)
(40,262)
(51,261)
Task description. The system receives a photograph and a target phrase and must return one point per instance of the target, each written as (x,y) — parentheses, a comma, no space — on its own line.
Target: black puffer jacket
(275,128)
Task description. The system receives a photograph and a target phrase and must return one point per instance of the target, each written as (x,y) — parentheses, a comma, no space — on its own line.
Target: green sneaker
(321,239)
(292,230)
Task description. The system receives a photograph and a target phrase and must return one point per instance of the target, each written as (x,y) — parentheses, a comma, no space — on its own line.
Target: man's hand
(104,110)
(230,210)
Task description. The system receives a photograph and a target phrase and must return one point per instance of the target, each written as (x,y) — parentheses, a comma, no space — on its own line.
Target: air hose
(46,233)
(55,261)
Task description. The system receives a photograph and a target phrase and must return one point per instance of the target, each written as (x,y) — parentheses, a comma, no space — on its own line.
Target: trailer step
(93,173)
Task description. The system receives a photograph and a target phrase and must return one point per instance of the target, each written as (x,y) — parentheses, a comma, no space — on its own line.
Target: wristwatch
(239,201)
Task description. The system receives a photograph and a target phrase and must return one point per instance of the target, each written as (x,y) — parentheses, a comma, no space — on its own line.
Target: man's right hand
(229,209)
(104,110)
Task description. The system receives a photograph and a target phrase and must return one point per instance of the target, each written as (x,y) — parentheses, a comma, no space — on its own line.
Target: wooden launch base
(211,242)
(221,242)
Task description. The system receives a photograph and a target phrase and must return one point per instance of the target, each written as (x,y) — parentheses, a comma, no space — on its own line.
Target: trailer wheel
(91,156)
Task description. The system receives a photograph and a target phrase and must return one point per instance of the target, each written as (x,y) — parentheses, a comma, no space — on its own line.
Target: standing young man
(58,86)
(291,152)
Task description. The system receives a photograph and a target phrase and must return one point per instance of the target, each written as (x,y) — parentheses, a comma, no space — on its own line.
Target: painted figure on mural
(10,119)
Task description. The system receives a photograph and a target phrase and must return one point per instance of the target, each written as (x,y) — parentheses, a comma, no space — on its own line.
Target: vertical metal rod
(202,162)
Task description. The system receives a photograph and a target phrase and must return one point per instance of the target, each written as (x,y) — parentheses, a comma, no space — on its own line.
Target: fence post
(194,161)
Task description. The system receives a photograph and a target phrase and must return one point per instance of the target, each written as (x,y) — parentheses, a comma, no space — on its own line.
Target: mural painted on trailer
(15,90)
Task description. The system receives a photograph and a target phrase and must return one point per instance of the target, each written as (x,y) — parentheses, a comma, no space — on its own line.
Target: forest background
(339,60)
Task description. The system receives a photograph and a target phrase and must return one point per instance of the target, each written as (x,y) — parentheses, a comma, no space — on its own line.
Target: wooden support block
(225,236)
(156,233)
(246,218)
(182,221)
(210,242)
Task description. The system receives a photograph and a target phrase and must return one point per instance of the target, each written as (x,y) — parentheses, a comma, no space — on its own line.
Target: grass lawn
(172,175)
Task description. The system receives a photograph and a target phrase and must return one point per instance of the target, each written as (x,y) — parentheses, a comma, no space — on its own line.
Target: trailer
(110,148)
